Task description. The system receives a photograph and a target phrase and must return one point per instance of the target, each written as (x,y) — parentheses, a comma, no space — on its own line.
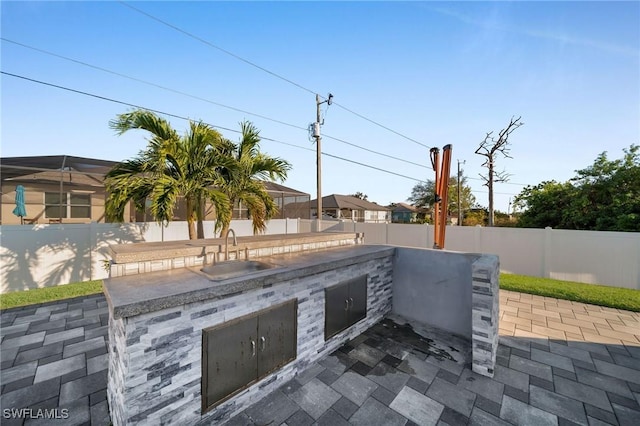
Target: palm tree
(242,180)
(170,168)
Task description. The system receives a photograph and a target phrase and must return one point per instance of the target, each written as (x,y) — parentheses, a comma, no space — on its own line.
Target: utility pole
(318,138)
(459,201)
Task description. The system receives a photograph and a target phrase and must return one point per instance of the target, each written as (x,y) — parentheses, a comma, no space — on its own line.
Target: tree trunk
(199,215)
(191,219)
(490,193)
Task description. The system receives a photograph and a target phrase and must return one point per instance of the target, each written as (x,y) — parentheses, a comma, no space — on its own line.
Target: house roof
(404,207)
(337,201)
(47,168)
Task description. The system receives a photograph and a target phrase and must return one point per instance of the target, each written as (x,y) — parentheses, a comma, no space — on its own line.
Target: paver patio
(559,362)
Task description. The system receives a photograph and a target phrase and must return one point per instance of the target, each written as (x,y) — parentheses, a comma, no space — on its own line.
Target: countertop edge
(235,286)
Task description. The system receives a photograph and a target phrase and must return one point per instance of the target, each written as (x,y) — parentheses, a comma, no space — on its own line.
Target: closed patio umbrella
(20,209)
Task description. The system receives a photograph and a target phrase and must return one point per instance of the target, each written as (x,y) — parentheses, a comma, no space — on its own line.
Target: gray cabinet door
(229,363)
(277,337)
(357,299)
(336,309)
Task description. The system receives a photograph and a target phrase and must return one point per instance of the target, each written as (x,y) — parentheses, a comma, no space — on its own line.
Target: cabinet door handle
(351,302)
(346,304)
(263,343)
(253,348)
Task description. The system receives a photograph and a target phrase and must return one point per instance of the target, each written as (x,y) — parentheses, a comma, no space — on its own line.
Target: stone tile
(482,418)
(626,416)
(383,395)
(83,386)
(487,405)
(600,414)
(64,335)
(452,396)
(354,386)
(582,392)
(59,368)
(448,376)
(345,407)
(84,346)
(420,369)
(552,359)
(25,340)
(515,343)
(604,382)
(374,412)
(389,377)
(315,398)
(300,418)
(18,372)
(618,371)
(516,379)
(327,377)
(516,394)
(97,363)
(531,367)
(100,413)
(557,404)
(417,384)
(367,355)
(570,351)
(28,396)
(541,383)
(97,397)
(38,353)
(452,417)
(361,368)
(337,362)
(519,413)
(275,408)
(481,385)
(418,408)
(309,373)
(626,361)
(626,402)
(588,346)
(331,418)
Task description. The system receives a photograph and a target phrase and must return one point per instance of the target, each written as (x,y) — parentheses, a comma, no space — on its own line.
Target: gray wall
(434,287)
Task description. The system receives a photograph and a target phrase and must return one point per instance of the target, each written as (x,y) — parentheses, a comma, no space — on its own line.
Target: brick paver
(559,362)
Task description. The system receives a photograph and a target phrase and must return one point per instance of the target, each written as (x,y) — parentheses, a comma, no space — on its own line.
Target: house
(352,208)
(69,189)
(406,213)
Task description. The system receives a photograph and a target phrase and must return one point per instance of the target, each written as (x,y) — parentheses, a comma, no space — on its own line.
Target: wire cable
(208,43)
(104,98)
(326,136)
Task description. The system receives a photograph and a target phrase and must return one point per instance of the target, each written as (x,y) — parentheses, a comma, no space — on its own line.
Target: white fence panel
(595,257)
(521,251)
(409,235)
(374,233)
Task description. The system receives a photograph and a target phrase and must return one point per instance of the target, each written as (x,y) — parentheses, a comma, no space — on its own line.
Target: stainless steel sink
(235,268)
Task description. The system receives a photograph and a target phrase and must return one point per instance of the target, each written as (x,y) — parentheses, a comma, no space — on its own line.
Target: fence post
(546,255)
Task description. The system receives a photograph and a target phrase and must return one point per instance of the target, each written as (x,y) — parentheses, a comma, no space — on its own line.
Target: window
(75,206)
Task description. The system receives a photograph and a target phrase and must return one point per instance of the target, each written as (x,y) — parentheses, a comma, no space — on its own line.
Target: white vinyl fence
(36,256)
(47,255)
(593,257)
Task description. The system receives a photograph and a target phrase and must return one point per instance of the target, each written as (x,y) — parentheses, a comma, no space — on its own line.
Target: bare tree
(491,146)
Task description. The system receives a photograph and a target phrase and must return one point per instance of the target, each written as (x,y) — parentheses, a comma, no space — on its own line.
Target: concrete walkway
(558,363)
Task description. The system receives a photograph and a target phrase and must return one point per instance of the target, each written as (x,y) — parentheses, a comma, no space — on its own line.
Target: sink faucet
(226,243)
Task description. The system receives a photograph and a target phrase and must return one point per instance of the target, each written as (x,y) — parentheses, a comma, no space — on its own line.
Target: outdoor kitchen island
(188,347)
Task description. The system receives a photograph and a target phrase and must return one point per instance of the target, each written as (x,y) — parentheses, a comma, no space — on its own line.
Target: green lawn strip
(612,297)
(49,294)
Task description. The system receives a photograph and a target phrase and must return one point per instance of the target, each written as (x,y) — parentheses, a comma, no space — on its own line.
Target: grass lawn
(49,294)
(612,297)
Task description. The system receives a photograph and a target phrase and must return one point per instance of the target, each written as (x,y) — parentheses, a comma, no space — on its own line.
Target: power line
(104,98)
(208,43)
(202,99)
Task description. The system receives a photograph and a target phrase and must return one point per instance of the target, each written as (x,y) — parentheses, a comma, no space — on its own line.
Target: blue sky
(437,73)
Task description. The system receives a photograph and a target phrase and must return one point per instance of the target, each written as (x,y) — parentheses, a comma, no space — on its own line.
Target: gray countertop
(137,294)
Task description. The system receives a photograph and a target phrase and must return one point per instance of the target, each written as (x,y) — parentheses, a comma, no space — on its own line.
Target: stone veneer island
(162,305)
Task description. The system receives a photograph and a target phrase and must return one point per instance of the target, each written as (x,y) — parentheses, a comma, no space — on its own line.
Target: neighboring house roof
(336,201)
(47,168)
(404,207)
(275,187)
